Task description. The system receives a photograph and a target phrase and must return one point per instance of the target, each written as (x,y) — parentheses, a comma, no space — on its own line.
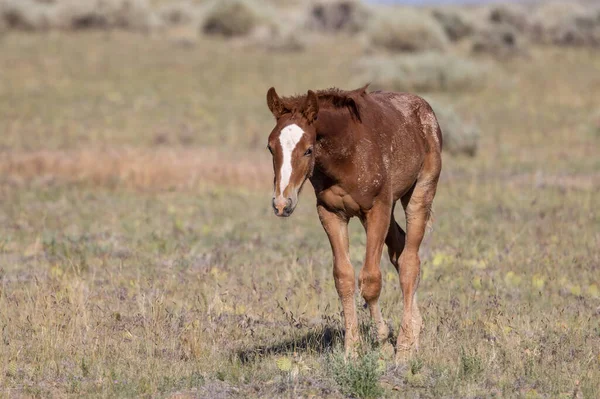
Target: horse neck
(336,141)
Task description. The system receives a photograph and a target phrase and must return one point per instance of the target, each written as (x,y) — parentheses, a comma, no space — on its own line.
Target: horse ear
(311,106)
(275,104)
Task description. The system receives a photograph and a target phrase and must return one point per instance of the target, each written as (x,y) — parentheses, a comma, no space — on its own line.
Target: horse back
(410,139)
(413,116)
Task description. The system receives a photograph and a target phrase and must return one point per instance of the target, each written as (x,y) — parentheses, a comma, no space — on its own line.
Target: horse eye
(270,149)
(308,152)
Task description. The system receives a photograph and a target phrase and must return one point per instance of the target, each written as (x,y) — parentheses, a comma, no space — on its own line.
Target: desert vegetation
(139,256)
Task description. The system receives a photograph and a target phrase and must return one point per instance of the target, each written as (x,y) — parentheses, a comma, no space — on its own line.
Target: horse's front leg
(336,227)
(376,222)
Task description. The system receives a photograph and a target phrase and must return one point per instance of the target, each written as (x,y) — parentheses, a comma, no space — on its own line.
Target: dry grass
(150,169)
(200,292)
(74,96)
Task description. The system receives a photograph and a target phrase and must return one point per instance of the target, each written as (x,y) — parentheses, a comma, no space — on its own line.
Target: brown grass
(146,169)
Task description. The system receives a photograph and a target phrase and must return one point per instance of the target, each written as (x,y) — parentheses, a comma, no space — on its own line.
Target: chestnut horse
(362,152)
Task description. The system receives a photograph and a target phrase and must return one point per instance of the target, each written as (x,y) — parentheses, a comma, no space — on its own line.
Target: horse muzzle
(283,207)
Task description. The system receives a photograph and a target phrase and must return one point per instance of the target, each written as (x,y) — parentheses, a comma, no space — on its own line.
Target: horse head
(291,144)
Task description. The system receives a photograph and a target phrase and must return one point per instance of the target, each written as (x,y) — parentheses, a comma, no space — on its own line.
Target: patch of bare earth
(144,169)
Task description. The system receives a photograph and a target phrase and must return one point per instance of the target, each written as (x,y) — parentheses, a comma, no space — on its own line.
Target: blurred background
(138,252)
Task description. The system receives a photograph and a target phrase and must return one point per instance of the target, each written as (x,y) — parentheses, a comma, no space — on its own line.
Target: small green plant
(85,368)
(416,365)
(357,377)
(470,365)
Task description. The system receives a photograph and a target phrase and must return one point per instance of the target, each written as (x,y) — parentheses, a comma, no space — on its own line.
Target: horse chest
(337,198)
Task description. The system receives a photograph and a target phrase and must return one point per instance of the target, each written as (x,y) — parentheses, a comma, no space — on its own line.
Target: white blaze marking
(289,138)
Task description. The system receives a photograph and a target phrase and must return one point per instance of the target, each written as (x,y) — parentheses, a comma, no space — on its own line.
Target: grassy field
(139,255)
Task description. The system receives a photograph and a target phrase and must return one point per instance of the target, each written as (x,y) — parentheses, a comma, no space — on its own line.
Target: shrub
(426,72)
(77,14)
(338,16)
(179,13)
(26,15)
(406,30)
(499,40)
(357,377)
(512,15)
(454,23)
(231,18)
(567,24)
(124,14)
(459,137)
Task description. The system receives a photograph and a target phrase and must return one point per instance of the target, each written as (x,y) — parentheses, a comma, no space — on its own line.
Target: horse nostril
(288,207)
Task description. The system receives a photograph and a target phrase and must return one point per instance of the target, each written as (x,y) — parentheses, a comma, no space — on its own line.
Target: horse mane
(334,98)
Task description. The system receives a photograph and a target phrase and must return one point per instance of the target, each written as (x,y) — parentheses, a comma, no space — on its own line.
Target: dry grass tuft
(157,169)
(406,30)
(426,72)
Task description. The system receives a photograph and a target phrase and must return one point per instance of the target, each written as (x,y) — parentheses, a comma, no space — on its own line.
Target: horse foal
(362,152)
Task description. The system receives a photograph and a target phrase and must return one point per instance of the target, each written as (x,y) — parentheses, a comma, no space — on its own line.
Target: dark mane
(333,97)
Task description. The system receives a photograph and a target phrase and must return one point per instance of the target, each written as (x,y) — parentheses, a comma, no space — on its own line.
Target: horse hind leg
(417,206)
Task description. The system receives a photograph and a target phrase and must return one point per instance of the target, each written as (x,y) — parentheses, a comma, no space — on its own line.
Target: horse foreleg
(376,223)
(336,228)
